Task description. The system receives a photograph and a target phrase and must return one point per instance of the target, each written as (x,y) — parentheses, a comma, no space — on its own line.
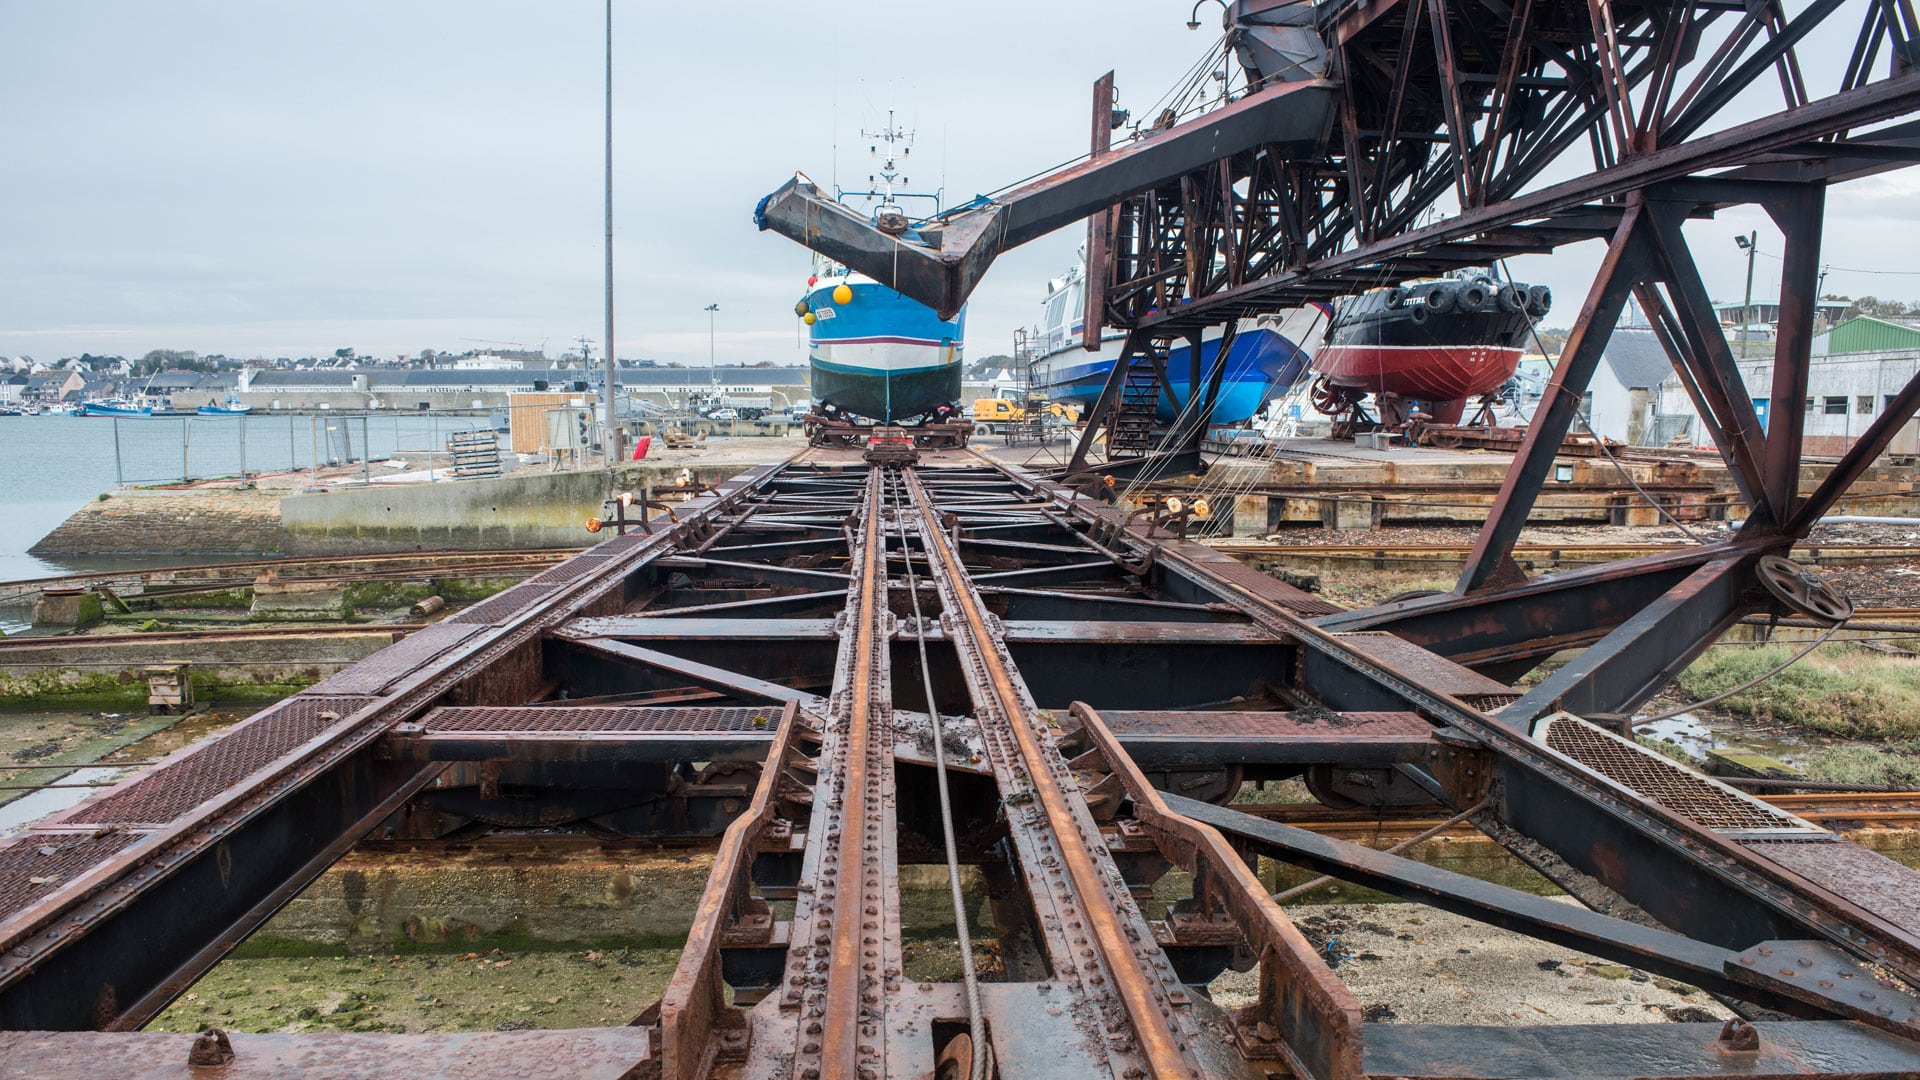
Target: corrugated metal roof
(1865,333)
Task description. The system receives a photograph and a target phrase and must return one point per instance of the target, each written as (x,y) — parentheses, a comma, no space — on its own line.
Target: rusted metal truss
(1418,137)
(754,671)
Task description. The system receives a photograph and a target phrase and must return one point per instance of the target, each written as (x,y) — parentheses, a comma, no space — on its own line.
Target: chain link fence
(179,449)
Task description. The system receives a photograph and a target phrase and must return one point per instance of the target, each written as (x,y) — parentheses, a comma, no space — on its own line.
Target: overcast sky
(279,178)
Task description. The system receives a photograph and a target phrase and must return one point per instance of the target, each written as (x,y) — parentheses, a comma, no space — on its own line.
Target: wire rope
(976,1027)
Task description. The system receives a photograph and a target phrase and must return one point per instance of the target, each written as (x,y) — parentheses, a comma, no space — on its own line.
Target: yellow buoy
(809,318)
(842,294)
(1201,509)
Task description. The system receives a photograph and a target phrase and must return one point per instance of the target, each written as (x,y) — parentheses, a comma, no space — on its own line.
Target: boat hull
(112,410)
(881,356)
(1432,372)
(1262,364)
(1440,344)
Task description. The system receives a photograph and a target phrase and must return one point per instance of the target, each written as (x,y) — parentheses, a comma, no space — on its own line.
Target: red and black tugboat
(1424,350)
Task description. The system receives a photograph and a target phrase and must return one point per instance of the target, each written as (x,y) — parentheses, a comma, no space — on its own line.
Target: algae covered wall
(109,671)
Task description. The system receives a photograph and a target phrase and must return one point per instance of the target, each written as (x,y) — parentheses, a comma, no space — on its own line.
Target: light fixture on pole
(1193,17)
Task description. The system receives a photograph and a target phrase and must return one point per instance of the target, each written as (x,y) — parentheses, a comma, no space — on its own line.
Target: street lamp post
(1749,243)
(612,444)
(711,309)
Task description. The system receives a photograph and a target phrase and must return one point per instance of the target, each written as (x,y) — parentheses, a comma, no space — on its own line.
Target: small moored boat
(114,407)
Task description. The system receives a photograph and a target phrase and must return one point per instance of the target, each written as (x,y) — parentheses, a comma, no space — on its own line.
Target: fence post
(293,451)
(119,471)
(313,427)
(243,448)
(186,442)
(366,448)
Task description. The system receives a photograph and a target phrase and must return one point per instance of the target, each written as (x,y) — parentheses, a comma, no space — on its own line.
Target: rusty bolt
(211,1049)
(1739,1037)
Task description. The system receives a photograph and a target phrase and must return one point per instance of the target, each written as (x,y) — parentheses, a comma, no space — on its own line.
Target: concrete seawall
(538,510)
(169,522)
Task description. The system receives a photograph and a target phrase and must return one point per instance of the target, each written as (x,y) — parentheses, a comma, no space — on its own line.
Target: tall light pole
(1749,243)
(613,429)
(711,309)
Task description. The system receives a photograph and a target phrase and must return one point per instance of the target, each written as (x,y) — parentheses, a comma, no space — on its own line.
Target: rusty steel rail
(1031,770)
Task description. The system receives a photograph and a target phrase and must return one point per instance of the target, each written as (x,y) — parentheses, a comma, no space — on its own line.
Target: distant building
(1623,397)
(486,362)
(1856,369)
(489,387)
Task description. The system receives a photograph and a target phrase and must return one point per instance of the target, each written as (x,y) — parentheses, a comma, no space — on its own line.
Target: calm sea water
(50,466)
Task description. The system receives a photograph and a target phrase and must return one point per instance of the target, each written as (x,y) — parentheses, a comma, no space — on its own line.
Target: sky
(272,178)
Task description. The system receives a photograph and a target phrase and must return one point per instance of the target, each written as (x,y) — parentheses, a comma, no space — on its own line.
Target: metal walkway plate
(1705,802)
(1301,737)
(216,766)
(1432,671)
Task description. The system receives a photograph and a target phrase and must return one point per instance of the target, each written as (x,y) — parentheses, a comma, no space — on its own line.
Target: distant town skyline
(285,180)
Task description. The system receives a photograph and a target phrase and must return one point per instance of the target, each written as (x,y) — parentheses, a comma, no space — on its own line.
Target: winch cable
(1668,714)
(1533,328)
(976,1026)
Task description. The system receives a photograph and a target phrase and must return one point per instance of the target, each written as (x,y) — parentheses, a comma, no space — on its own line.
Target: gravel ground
(1412,964)
(1406,963)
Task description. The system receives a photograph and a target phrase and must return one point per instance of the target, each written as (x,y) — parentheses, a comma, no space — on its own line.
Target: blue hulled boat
(114,407)
(231,407)
(872,354)
(1269,354)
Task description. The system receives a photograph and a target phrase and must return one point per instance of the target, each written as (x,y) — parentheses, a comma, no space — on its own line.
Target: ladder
(1136,414)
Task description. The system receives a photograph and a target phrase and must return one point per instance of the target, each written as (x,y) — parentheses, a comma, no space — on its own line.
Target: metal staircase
(1134,417)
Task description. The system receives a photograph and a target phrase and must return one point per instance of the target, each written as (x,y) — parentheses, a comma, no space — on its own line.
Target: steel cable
(976,1026)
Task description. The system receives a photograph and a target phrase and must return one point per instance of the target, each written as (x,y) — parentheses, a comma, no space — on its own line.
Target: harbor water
(52,465)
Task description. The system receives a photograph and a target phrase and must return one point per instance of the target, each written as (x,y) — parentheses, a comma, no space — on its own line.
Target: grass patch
(1867,766)
(1667,748)
(1840,689)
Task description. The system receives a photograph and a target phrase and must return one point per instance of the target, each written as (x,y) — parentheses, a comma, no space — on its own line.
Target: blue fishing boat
(231,407)
(873,355)
(114,407)
(1268,355)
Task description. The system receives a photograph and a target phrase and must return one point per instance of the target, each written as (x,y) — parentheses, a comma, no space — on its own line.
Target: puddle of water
(1696,735)
(35,805)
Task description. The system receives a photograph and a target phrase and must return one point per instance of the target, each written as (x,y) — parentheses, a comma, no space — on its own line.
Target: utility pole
(1751,242)
(613,429)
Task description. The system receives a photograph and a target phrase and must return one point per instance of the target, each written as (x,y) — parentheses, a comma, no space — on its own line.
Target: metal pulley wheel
(1797,587)
(956,1059)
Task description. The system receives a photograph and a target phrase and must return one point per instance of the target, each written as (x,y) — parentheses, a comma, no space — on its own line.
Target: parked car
(724,414)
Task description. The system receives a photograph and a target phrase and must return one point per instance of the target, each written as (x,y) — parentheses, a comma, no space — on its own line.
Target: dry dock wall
(541,510)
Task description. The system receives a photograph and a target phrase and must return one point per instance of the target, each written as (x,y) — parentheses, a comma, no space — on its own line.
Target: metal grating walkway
(1652,777)
(216,766)
(32,865)
(558,718)
(498,610)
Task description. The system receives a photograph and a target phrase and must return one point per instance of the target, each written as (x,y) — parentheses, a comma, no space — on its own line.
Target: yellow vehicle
(988,413)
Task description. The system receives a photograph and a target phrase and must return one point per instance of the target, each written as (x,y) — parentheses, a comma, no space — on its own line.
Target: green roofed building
(1866,333)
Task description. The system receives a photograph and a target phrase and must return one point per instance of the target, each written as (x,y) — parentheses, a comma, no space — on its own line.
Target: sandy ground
(1411,964)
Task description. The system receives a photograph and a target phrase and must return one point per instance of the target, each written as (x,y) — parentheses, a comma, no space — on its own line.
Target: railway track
(791,664)
(1894,810)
